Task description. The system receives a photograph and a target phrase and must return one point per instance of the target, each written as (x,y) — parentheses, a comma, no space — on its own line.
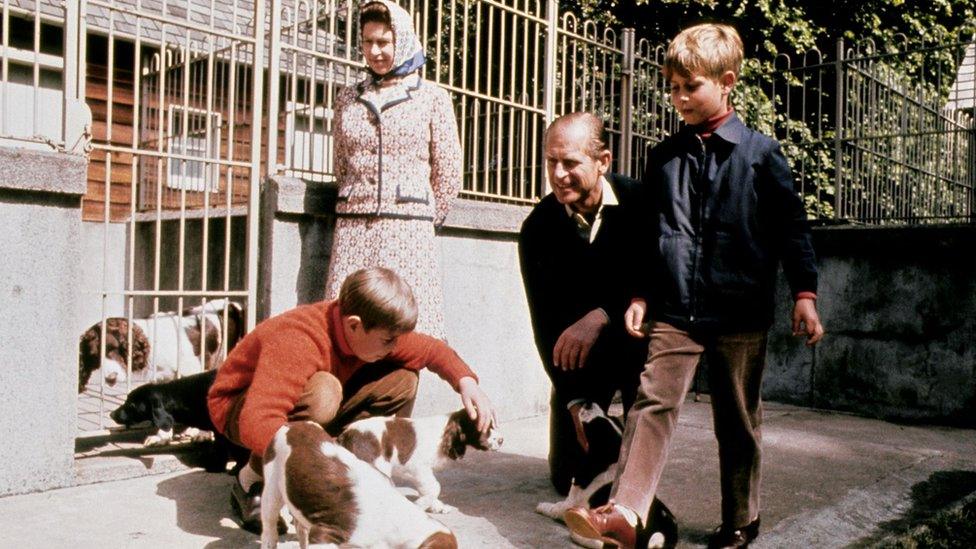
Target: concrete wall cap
(43,171)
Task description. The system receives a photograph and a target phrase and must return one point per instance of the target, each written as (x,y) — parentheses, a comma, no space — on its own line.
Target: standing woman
(397,162)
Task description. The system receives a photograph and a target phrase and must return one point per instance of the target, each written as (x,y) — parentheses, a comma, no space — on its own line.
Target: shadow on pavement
(203,508)
(502,491)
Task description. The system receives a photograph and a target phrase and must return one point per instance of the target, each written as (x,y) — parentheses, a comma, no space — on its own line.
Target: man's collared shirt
(589,230)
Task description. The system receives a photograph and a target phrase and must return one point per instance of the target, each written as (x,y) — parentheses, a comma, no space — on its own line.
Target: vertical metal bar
(134,182)
(35,104)
(231,90)
(467,147)
(552,25)
(74,66)
(71,15)
(274,67)
(536,136)
(625,158)
(509,161)
(838,127)
(257,110)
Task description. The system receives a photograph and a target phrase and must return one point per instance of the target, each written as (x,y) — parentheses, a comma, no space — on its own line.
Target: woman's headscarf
(408,53)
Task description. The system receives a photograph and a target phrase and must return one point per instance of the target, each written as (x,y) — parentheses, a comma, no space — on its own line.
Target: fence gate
(176,96)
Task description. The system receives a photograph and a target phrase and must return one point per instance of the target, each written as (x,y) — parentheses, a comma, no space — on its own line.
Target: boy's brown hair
(380,298)
(708,50)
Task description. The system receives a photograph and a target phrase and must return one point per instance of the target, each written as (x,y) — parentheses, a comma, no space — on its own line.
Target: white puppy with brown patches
(347,501)
(413,449)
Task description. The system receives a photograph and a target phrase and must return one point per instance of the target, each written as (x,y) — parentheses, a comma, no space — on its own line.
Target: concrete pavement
(831,480)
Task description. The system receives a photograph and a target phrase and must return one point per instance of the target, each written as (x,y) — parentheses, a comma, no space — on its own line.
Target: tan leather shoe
(603,523)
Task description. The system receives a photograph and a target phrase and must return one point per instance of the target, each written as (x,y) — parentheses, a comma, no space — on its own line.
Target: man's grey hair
(594,124)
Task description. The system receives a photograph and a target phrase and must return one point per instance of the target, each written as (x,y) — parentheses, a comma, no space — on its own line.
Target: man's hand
(477,403)
(574,411)
(574,344)
(634,317)
(806,321)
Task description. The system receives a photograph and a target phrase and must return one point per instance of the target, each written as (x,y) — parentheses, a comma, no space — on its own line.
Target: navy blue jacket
(724,214)
(566,276)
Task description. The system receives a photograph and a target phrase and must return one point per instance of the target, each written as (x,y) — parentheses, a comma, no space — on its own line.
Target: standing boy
(331,362)
(723,216)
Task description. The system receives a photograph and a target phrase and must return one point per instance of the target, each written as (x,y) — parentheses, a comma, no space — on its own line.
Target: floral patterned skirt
(405,246)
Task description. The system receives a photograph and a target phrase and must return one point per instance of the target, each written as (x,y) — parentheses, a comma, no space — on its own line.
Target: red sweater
(273,363)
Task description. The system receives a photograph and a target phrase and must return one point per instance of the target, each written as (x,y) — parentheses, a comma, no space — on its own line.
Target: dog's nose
(111,379)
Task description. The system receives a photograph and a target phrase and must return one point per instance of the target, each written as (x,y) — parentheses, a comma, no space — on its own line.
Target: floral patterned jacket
(396,155)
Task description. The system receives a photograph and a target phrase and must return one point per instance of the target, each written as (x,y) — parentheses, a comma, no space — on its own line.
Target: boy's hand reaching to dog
(477,403)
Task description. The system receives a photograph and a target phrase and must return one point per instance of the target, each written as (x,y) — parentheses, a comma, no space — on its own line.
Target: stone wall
(899,307)
(40,220)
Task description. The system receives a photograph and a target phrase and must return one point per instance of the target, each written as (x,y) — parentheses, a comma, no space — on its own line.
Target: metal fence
(176,90)
(875,136)
(510,66)
(871,141)
(879,135)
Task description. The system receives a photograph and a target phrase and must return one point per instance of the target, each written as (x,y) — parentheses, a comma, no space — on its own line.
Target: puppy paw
(657,541)
(161,438)
(551,510)
(201,436)
(589,543)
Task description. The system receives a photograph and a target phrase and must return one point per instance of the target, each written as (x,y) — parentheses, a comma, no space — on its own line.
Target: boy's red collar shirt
(338,335)
(708,127)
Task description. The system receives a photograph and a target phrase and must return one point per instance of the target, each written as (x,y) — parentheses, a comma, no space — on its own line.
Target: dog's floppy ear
(140,349)
(453,442)
(161,418)
(236,324)
(88,349)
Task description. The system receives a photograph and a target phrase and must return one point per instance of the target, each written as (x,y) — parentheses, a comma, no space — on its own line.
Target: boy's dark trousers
(735,370)
(378,389)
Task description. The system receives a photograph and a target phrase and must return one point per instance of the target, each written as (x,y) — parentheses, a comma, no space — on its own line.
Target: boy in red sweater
(331,362)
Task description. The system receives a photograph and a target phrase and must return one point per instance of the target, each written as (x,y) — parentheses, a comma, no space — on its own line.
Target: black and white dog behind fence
(181,402)
(593,478)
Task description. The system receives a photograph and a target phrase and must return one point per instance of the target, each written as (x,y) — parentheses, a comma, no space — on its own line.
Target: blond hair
(379,297)
(708,49)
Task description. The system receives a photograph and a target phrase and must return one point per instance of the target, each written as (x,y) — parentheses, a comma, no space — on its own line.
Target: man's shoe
(247,505)
(603,523)
(726,538)
(662,528)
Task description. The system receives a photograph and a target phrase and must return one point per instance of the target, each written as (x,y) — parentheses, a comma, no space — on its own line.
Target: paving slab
(831,480)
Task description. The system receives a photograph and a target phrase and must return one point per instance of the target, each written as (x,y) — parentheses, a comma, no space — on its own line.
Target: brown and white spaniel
(413,449)
(162,345)
(345,500)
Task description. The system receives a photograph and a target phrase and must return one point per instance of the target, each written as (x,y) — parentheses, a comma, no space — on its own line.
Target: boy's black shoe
(725,538)
(247,505)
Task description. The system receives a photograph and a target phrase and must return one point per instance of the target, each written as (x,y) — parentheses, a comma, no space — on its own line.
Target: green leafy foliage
(886,104)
